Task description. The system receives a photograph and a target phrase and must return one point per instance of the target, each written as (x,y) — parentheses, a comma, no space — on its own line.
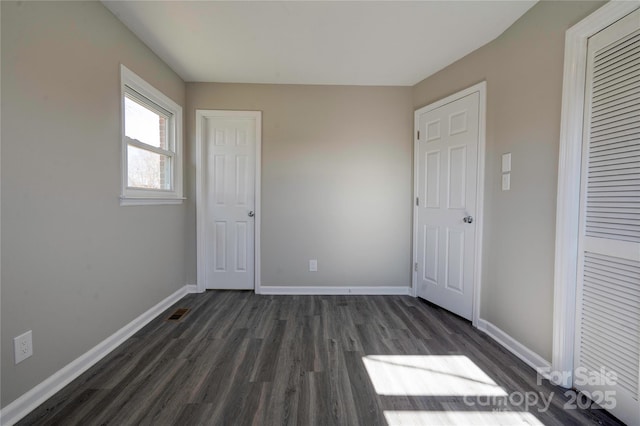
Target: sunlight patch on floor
(466,418)
(429,375)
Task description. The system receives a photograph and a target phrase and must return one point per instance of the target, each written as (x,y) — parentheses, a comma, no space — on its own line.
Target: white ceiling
(315,42)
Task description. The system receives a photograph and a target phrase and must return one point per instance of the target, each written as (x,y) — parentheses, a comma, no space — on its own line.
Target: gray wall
(523,69)
(76,267)
(336,180)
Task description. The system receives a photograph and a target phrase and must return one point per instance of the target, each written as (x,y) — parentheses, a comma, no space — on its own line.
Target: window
(151,144)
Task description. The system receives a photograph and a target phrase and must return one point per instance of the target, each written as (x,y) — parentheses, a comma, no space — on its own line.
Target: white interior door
(446,173)
(228,198)
(607,360)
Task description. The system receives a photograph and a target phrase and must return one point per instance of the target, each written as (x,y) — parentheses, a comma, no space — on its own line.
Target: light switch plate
(506,162)
(313,265)
(506,181)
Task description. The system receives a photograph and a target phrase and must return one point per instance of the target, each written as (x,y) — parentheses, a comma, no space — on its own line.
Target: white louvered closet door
(608,299)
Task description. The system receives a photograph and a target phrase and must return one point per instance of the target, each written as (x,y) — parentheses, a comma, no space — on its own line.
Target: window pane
(145,125)
(148,169)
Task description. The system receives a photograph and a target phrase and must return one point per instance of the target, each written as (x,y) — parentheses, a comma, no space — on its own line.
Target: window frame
(143,93)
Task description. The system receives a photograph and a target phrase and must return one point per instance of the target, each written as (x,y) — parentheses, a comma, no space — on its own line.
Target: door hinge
(417,201)
(418,134)
(415,266)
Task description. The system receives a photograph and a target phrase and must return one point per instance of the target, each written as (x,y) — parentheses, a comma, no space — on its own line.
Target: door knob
(251,213)
(468,219)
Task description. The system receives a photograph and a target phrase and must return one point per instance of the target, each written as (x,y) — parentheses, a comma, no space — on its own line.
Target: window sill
(149,201)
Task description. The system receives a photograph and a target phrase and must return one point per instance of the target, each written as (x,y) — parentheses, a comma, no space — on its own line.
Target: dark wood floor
(237,358)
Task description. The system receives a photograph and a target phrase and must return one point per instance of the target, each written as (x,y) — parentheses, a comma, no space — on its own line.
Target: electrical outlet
(313,265)
(23,346)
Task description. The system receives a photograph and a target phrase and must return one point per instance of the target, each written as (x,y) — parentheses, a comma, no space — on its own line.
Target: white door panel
(608,292)
(446,174)
(228,188)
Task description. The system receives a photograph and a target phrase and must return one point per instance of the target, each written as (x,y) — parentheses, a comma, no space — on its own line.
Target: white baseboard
(22,406)
(286,290)
(531,358)
(192,288)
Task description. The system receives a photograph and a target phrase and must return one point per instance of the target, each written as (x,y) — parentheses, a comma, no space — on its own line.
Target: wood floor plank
(167,406)
(281,399)
(243,394)
(342,406)
(237,358)
(270,350)
(220,378)
(367,403)
(140,403)
(151,362)
(195,414)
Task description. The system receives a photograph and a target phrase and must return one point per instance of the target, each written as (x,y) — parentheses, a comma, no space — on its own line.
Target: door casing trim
(569,178)
(201,114)
(481,89)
